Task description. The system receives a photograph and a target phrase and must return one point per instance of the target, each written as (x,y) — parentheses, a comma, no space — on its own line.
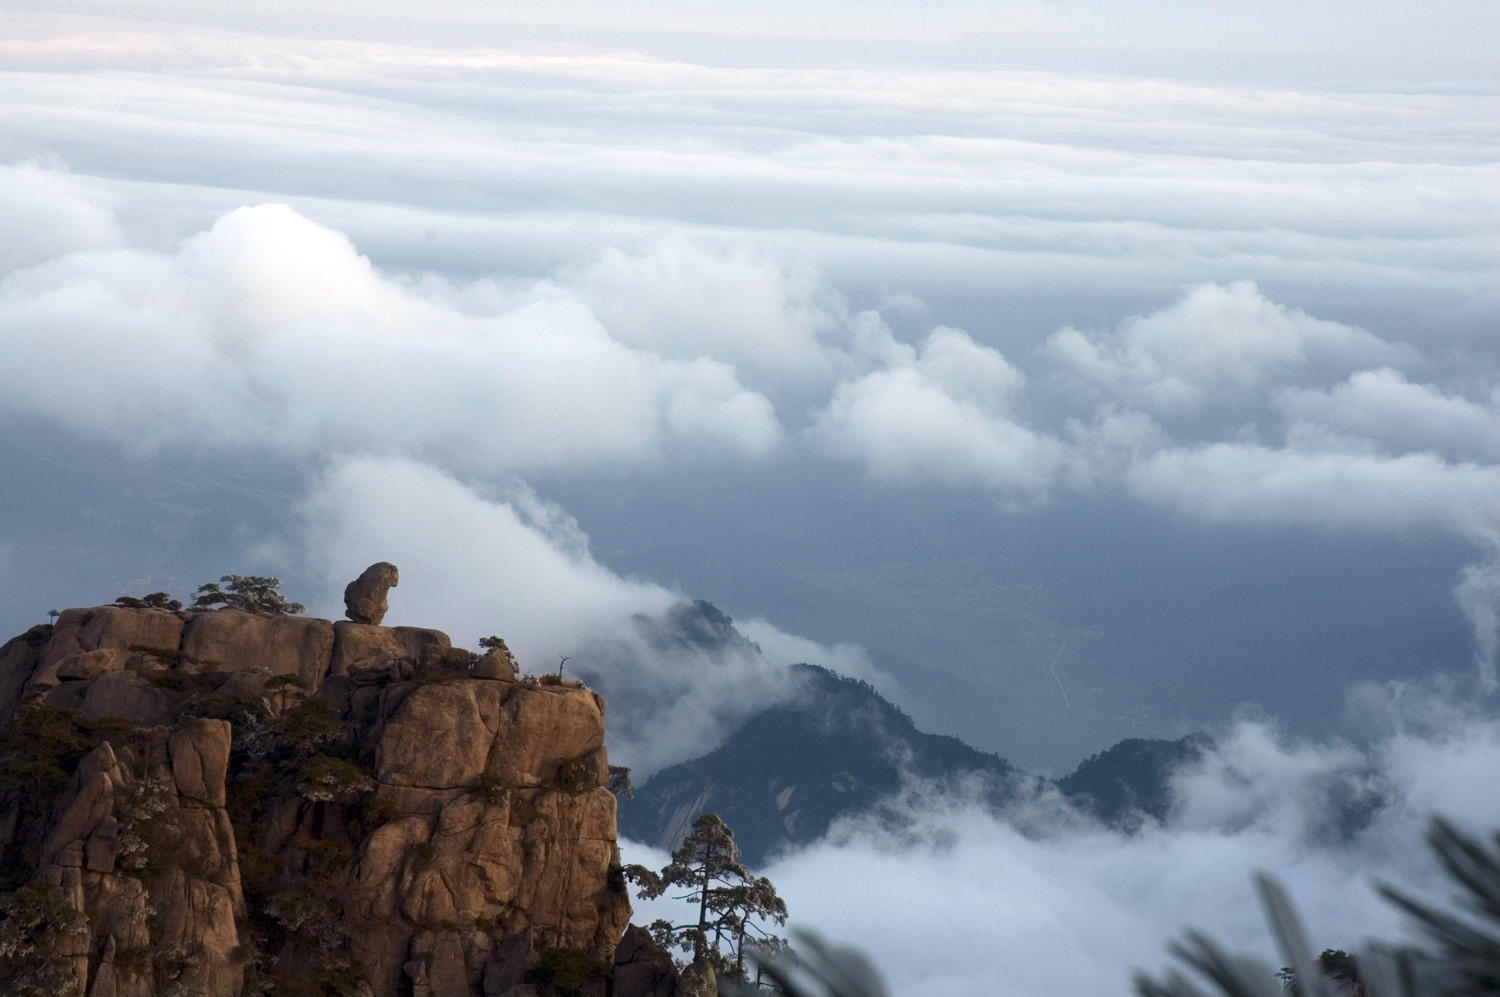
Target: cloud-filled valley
(946,896)
(1062,397)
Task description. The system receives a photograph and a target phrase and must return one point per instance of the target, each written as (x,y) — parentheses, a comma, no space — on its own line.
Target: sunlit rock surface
(231,798)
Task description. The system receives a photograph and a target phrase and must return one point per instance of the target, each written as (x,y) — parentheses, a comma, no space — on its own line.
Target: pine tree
(251,593)
(732,905)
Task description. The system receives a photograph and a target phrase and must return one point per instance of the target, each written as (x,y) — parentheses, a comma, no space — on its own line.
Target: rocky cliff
(226,803)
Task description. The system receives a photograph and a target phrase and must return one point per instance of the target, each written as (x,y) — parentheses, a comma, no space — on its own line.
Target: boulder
(365,597)
(440,737)
(113,626)
(497,664)
(82,641)
(190,903)
(643,968)
(369,653)
(363,647)
(282,645)
(87,664)
(199,750)
(114,694)
(541,726)
(423,646)
(506,967)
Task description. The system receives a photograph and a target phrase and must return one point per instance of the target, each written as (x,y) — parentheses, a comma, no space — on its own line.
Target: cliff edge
(226,803)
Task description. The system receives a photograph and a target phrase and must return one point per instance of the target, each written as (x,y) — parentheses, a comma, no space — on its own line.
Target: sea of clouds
(268,333)
(949,898)
(423,274)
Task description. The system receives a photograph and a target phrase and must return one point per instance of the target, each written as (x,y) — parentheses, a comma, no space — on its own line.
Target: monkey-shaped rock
(364,598)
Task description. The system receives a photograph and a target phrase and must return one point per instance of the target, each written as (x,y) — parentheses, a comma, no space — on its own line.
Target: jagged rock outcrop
(365,597)
(155,922)
(229,798)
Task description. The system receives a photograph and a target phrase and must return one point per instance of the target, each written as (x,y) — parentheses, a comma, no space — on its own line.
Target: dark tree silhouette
(733,907)
(156,600)
(252,593)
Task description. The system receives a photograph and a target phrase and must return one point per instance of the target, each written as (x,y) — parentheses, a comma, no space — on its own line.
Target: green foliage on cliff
(301,761)
(323,778)
(42,745)
(576,775)
(37,926)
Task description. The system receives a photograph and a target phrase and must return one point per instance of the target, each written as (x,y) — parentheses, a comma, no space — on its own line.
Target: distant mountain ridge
(790,770)
(839,747)
(1132,780)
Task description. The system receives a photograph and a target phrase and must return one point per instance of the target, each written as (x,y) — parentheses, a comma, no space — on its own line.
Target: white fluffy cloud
(470,564)
(474,563)
(686,301)
(944,412)
(1217,340)
(268,330)
(46,213)
(786,649)
(1342,489)
(1382,405)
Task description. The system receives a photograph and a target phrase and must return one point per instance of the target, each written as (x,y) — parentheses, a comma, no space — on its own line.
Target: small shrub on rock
(36,920)
(323,779)
(38,751)
(492,789)
(574,775)
(278,681)
(156,600)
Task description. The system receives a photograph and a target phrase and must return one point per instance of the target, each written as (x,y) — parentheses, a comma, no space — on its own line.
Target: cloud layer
(949,899)
(1216,341)
(432,273)
(964,252)
(269,331)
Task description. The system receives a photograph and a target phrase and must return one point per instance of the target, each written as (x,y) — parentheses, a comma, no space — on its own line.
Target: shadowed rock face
(642,967)
(229,797)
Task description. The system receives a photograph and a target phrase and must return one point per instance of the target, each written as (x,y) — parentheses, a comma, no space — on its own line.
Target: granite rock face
(239,803)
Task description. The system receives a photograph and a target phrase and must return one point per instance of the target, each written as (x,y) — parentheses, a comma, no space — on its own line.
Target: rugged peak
(836,747)
(693,626)
(1132,780)
(211,799)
